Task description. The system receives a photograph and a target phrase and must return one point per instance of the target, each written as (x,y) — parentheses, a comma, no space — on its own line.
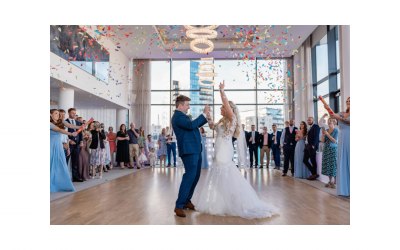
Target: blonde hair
(226,123)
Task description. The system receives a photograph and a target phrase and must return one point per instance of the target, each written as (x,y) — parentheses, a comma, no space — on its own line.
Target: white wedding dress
(226,192)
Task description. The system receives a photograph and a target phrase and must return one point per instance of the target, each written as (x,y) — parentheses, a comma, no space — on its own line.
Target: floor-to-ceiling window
(326,72)
(256,86)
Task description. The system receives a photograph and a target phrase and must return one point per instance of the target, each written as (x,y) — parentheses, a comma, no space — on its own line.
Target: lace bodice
(226,135)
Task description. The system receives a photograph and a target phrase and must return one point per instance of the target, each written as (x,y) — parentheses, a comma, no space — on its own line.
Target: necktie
(252,137)
(275,138)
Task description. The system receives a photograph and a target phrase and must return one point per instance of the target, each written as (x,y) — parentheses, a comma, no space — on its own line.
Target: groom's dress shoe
(189,205)
(179,212)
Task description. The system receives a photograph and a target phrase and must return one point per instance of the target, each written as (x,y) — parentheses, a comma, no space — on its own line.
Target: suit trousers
(253,150)
(276,152)
(192,164)
(265,150)
(310,153)
(288,152)
(171,147)
(74,149)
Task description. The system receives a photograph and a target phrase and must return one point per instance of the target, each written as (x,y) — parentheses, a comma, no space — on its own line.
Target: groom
(189,147)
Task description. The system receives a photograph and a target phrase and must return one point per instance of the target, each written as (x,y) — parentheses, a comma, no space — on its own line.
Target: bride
(226,191)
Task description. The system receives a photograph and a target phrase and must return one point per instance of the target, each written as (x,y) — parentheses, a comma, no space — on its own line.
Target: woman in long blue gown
(60,179)
(343,167)
(300,169)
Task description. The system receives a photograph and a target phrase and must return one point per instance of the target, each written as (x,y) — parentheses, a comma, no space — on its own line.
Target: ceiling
(233,41)
(82,99)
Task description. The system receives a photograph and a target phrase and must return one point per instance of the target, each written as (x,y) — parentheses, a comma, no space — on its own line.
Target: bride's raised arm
(225,101)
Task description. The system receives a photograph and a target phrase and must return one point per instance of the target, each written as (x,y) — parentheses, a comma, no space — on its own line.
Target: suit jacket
(289,137)
(96,136)
(278,137)
(77,139)
(313,136)
(257,138)
(261,140)
(187,133)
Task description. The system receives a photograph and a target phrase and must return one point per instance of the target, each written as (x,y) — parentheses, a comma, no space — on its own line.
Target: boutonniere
(190,116)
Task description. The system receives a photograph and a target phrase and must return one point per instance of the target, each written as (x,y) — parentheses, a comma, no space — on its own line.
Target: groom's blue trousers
(192,164)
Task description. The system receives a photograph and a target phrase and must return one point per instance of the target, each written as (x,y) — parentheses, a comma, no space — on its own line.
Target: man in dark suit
(252,143)
(310,150)
(276,146)
(289,144)
(189,147)
(265,143)
(74,142)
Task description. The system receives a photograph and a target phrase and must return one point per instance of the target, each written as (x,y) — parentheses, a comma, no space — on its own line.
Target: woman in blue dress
(162,147)
(343,167)
(300,169)
(204,159)
(60,179)
(329,155)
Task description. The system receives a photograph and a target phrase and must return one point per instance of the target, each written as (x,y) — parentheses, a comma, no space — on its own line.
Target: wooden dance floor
(147,197)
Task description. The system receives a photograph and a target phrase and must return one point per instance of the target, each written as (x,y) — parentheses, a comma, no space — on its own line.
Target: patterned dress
(330,155)
(163,145)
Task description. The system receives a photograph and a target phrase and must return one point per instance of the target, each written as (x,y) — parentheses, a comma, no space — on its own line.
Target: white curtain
(344,43)
(106,116)
(289,92)
(303,90)
(141,95)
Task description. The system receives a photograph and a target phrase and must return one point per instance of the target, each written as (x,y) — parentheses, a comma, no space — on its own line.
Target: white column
(121,118)
(66,99)
(344,43)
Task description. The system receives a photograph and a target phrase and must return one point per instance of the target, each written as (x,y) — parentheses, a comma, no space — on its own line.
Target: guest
(171,146)
(84,156)
(311,146)
(141,139)
(204,156)
(253,140)
(106,152)
(60,179)
(133,146)
(289,145)
(74,142)
(64,137)
(122,146)
(80,119)
(343,171)
(329,155)
(107,156)
(162,146)
(323,125)
(142,157)
(149,142)
(111,137)
(300,169)
(283,133)
(97,150)
(152,157)
(265,146)
(276,146)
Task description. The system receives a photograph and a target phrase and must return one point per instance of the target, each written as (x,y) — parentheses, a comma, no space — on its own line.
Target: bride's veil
(241,145)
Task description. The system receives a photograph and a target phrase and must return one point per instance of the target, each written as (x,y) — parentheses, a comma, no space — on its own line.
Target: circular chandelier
(208,43)
(201,36)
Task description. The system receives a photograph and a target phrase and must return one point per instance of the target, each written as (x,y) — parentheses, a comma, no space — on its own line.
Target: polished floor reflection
(148,197)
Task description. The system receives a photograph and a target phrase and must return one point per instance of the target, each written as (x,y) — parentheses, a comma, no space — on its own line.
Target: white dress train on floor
(226,192)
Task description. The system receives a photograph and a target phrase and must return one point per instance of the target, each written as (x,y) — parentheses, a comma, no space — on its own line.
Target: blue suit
(276,151)
(189,147)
